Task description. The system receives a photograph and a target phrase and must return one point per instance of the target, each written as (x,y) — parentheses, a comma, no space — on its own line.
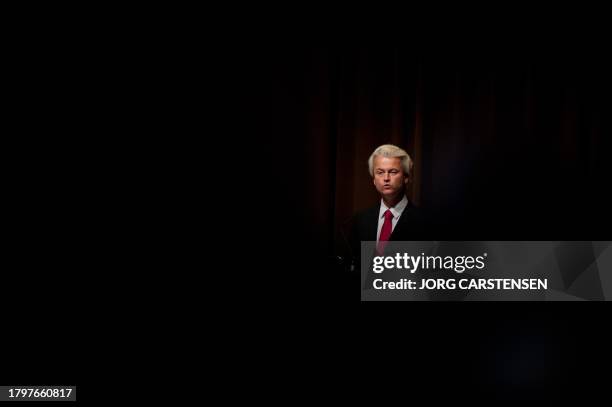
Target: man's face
(389,178)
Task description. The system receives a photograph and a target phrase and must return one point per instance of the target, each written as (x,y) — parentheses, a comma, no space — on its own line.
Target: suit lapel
(372,223)
(402,223)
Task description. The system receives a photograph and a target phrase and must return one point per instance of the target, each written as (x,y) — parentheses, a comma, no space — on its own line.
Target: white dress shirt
(396,211)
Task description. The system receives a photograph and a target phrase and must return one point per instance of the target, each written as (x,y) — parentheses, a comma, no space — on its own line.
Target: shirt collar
(396,210)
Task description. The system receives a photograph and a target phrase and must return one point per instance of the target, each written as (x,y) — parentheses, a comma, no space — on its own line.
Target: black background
(312,323)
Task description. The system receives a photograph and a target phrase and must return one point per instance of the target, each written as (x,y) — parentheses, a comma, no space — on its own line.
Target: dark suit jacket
(415,224)
(364,225)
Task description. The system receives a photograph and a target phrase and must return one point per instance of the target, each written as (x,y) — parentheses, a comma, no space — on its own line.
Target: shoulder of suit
(371,211)
(414,212)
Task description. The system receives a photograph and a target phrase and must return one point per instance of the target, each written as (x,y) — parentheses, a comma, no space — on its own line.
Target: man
(394,218)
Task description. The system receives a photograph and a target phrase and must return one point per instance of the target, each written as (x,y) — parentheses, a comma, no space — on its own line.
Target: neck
(391,202)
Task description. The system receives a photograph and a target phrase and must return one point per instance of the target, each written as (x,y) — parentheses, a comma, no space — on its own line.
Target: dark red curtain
(508,146)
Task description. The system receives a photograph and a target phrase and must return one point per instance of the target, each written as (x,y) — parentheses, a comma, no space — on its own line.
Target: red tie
(385,232)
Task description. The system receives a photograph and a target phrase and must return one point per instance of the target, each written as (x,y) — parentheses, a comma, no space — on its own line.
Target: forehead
(387,162)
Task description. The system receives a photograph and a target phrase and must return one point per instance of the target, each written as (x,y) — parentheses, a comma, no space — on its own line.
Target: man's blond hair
(391,151)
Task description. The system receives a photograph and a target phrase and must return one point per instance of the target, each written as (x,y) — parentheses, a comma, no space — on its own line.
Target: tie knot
(388,215)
